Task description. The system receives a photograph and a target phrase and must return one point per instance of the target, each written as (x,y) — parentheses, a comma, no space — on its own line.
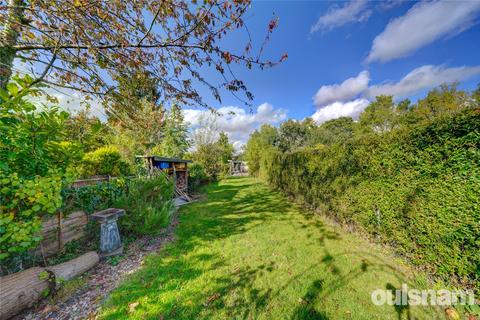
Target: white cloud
(424,23)
(334,101)
(424,77)
(347,90)
(340,109)
(389,4)
(72,101)
(237,122)
(354,11)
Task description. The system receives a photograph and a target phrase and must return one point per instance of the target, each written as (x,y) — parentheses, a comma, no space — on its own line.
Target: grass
(245,252)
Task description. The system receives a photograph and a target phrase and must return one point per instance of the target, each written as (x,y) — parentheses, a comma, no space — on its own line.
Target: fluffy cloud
(424,23)
(340,109)
(236,122)
(354,11)
(347,90)
(334,101)
(424,77)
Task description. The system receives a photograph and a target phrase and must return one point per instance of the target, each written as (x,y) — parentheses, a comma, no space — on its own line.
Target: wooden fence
(59,230)
(92,181)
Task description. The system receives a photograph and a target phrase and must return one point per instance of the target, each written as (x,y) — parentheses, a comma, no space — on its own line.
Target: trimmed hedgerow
(416,188)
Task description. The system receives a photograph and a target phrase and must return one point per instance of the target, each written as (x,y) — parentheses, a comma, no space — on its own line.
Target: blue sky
(374,44)
(342,54)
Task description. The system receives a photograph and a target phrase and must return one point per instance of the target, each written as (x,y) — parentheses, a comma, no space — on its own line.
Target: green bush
(148,204)
(105,161)
(196,176)
(416,188)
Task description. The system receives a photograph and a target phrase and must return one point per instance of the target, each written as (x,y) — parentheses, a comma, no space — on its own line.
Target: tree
(84,44)
(214,156)
(260,142)
(294,134)
(333,131)
(379,115)
(207,132)
(35,160)
(134,88)
(175,141)
(225,147)
(139,136)
(443,100)
(476,95)
(212,147)
(86,130)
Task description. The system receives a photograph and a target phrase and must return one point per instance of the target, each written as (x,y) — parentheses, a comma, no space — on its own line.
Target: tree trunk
(8,38)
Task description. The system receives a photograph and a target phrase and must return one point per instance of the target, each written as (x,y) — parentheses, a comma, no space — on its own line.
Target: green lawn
(245,252)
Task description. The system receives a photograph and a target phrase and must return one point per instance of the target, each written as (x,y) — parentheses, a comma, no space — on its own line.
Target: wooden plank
(59,230)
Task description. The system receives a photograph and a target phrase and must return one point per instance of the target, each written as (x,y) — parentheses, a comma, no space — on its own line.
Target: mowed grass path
(245,252)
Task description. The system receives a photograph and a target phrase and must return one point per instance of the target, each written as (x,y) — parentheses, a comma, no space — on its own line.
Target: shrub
(105,161)
(196,176)
(148,204)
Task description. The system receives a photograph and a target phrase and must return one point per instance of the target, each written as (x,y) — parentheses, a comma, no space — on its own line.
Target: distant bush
(105,161)
(148,204)
(196,176)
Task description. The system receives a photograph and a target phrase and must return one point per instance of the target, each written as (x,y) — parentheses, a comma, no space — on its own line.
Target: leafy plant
(22,203)
(94,197)
(114,260)
(32,139)
(148,204)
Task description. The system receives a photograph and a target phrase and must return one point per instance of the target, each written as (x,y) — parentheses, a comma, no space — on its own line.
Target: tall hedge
(416,188)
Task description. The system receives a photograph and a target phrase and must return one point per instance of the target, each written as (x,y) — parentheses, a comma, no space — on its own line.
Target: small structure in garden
(238,167)
(110,242)
(175,168)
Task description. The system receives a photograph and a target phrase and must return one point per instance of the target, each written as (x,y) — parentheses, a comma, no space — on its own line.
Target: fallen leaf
(48,308)
(132,306)
(212,298)
(452,314)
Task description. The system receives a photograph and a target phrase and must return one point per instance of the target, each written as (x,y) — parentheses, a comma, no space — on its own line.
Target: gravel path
(101,280)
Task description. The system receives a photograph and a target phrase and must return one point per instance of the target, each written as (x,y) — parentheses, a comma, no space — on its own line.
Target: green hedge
(416,188)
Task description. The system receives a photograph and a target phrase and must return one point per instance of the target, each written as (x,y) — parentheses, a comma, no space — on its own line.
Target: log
(70,269)
(21,290)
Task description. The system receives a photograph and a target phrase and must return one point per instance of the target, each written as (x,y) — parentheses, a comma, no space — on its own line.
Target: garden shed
(238,167)
(174,167)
